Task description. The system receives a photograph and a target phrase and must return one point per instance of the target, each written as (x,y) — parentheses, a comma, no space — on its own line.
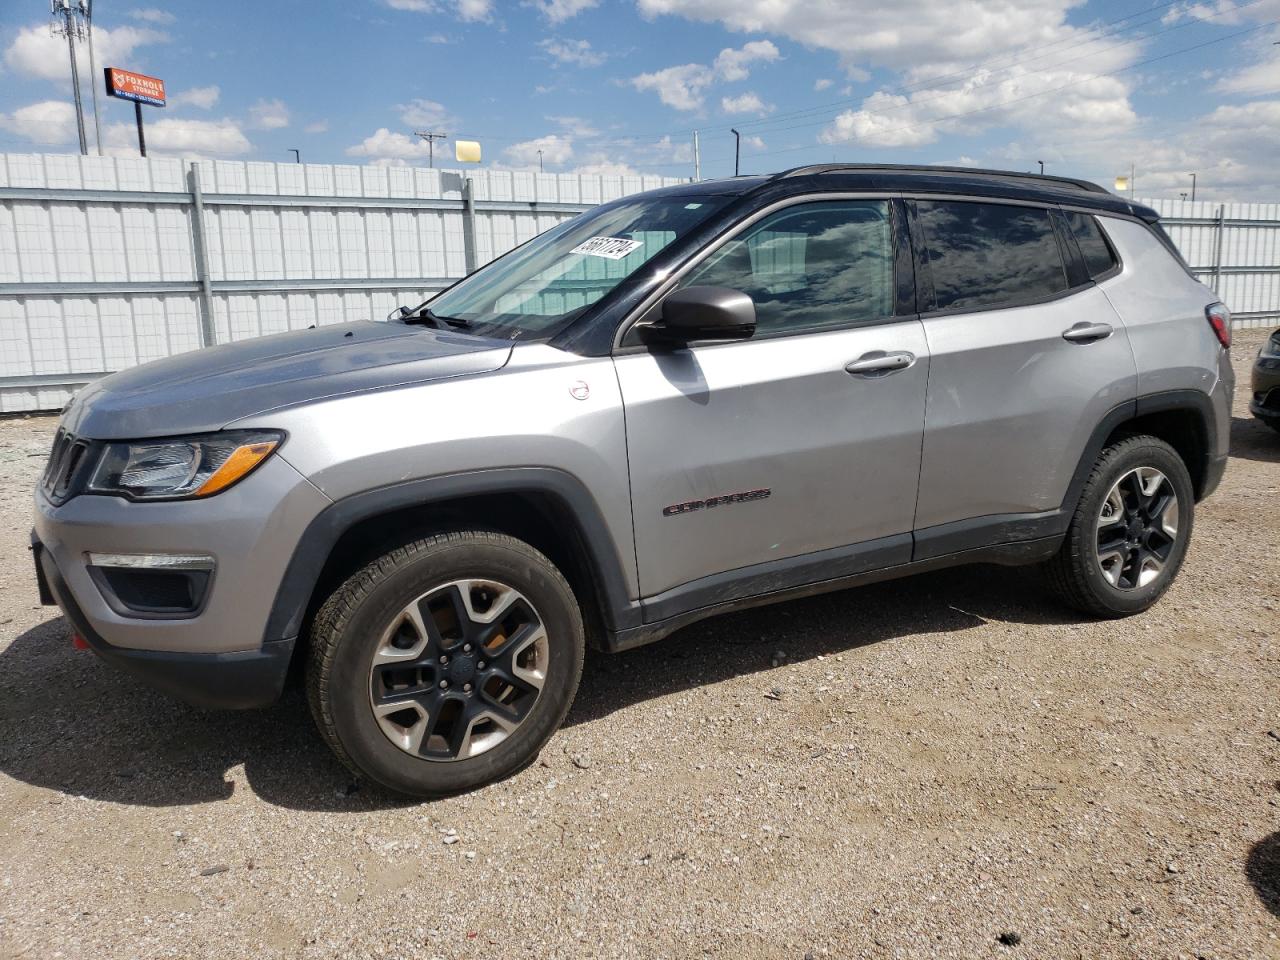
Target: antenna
(431,139)
(69,21)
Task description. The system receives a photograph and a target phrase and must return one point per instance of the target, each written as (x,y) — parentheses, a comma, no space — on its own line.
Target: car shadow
(1262,867)
(1251,439)
(70,723)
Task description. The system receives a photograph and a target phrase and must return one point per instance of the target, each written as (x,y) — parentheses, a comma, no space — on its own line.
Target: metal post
(75,84)
(468,226)
(1217,247)
(142,141)
(93,75)
(1193,188)
(208,333)
(697,158)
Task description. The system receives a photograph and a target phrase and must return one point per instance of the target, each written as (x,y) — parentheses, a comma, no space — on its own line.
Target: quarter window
(990,254)
(810,267)
(1098,258)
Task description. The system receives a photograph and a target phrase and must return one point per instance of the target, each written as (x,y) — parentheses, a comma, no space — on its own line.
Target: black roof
(970,181)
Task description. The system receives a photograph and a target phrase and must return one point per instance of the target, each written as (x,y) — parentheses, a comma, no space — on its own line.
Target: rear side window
(990,254)
(1098,258)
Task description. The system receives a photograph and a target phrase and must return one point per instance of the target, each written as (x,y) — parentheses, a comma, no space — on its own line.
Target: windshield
(538,288)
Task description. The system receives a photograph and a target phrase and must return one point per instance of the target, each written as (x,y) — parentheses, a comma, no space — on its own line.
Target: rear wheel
(1129,534)
(1272,422)
(445,664)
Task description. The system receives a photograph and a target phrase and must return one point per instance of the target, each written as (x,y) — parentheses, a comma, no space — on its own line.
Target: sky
(1089,88)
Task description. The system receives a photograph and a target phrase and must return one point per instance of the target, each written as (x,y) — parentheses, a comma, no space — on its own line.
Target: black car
(1265,404)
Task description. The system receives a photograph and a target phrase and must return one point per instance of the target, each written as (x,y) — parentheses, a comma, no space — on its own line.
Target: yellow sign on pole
(466,151)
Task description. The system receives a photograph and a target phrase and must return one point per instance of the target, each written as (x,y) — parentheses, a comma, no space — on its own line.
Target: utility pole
(697,159)
(86,7)
(1193,188)
(72,27)
(431,139)
(737,149)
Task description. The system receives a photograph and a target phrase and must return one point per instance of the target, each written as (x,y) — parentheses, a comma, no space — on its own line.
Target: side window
(1098,258)
(810,267)
(990,254)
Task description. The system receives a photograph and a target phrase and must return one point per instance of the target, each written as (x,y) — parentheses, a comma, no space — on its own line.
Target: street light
(297,154)
(737,149)
(1193,188)
(1041,162)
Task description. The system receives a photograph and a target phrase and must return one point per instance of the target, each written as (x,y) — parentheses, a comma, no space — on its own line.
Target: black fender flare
(321,535)
(1195,401)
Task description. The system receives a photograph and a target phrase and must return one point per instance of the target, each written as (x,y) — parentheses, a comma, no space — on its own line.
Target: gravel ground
(950,766)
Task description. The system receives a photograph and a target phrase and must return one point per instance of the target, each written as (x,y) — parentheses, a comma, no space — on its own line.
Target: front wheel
(1129,534)
(445,664)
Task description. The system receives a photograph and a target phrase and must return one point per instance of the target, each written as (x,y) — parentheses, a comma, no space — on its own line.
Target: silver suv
(684,402)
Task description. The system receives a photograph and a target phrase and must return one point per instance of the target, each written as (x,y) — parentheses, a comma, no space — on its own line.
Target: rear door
(767,452)
(1027,356)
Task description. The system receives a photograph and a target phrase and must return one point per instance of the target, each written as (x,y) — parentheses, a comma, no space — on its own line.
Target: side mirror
(705,313)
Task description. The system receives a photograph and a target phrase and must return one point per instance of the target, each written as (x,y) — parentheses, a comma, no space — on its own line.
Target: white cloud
(35,52)
(575,52)
(745,103)
(1056,100)
(152,15)
(269,115)
(603,166)
(683,87)
(733,64)
(822,84)
(900,34)
(438,38)
(470,10)
(424,114)
(177,137)
(1258,79)
(319,126)
(558,11)
(383,146)
(556,150)
(475,9)
(202,98)
(51,122)
(755,143)
(680,88)
(575,126)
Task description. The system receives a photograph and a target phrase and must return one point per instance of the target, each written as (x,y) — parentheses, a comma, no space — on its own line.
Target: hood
(205,390)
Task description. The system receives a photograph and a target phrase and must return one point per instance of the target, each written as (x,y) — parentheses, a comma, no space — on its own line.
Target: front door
(793,456)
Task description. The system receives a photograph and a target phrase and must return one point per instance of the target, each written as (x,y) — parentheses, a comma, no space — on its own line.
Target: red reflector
(1219,318)
(79,642)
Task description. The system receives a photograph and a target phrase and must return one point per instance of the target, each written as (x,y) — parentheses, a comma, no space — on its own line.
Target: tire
(447,719)
(1098,570)
(1272,422)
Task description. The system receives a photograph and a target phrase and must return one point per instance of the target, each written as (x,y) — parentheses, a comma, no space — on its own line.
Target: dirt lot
(949,766)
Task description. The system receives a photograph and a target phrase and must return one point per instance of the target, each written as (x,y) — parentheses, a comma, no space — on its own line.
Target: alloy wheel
(1137,528)
(458,670)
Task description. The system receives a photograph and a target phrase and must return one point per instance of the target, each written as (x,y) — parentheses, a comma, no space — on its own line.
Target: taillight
(1219,318)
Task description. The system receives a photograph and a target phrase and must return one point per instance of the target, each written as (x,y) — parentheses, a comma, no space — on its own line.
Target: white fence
(108,262)
(1235,249)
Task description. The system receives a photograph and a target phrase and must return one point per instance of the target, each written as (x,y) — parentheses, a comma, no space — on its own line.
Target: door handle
(879,364)
(1087,332)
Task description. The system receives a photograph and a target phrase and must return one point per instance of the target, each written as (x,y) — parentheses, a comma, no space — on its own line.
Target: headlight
(190,467)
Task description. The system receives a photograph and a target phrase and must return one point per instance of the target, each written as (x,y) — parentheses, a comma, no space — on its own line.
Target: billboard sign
(137,87)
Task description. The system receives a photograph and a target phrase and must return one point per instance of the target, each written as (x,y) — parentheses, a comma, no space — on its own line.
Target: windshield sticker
(611,248)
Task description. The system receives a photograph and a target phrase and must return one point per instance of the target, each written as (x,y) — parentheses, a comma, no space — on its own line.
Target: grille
(65,460)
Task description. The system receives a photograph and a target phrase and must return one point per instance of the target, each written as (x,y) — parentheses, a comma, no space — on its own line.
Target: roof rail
(819,168)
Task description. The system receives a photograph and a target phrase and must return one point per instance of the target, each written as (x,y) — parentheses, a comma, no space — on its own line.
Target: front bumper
(235,681)
(1265,385)
(218,656)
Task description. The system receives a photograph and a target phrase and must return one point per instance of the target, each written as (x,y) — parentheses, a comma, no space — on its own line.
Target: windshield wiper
(428,319)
